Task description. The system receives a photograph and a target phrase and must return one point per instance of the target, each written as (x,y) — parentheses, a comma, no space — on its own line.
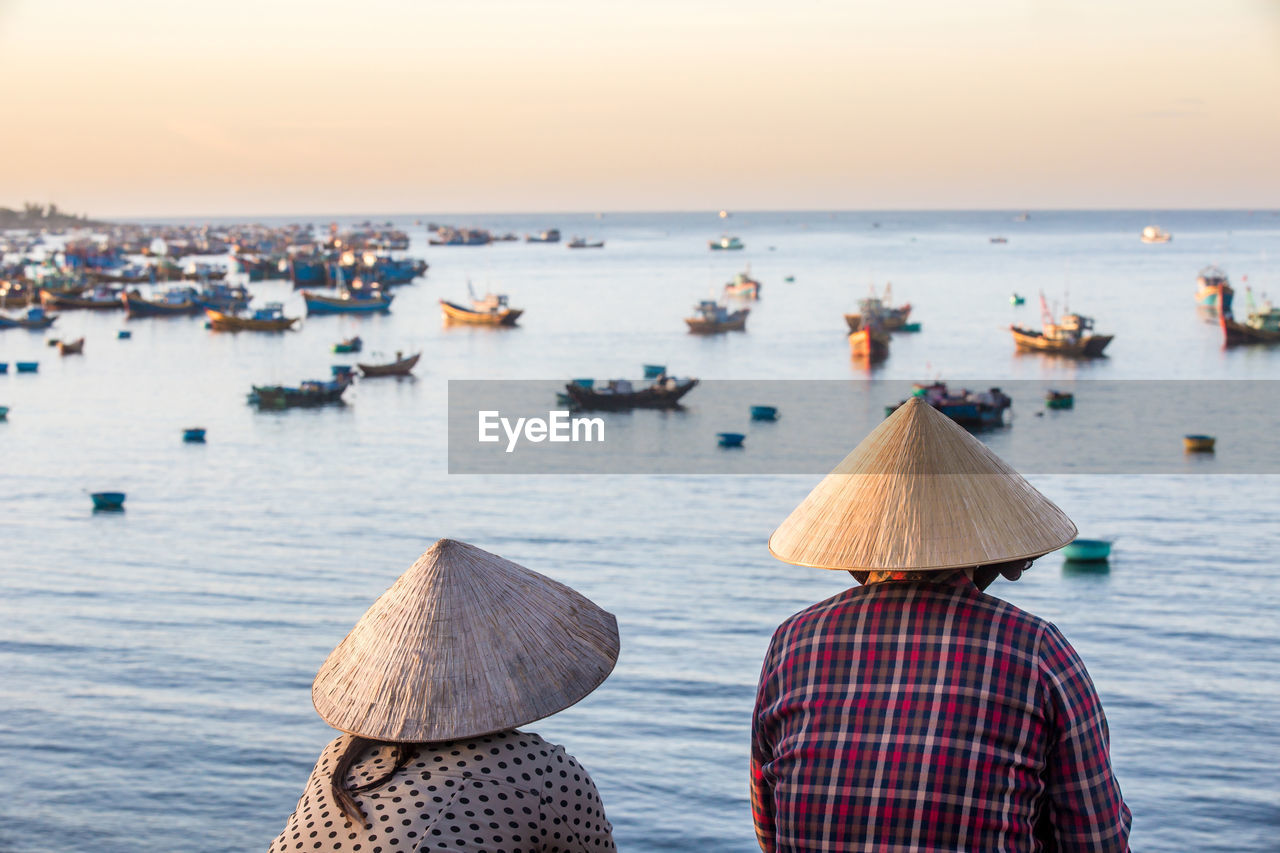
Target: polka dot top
(510,792)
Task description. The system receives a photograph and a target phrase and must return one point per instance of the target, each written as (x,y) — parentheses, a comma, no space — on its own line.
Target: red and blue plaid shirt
(929,716)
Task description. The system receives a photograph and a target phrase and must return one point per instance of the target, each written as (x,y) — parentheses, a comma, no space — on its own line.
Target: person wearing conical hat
(430,688)
(915,712)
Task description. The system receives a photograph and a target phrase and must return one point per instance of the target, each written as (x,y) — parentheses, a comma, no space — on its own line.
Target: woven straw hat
(465,643)
(920,493)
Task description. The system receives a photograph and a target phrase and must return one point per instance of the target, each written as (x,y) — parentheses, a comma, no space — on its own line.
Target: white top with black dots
(510,792)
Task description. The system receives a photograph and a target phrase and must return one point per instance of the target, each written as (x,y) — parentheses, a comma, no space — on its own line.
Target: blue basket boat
(653,371)
(28,366)
(124,334)
(4,367)
(194,435)
(112,501)
(1088,551)
(764,413)
(730,439)
(4,413)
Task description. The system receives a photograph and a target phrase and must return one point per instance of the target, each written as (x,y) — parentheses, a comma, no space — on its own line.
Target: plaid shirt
(929,716)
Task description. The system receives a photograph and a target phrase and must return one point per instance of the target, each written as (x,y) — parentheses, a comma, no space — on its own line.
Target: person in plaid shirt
(915,712)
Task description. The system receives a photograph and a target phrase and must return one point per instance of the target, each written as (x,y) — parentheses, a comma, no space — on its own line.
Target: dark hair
(338,789)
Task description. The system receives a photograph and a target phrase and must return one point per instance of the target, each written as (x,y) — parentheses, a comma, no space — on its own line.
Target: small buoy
(194,435)
(730,439)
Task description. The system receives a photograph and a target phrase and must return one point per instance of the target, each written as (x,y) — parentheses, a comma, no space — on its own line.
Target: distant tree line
(34,215)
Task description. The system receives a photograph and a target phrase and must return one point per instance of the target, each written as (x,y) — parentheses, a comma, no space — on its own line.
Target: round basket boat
(1087,550)
(1198,443)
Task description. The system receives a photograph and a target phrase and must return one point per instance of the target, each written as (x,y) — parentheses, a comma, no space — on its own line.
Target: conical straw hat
(920,493)
(465,643)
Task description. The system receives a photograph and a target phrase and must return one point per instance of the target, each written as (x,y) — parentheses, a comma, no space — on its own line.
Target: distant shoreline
(34,217)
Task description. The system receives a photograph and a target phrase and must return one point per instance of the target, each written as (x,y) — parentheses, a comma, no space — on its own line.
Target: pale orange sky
(158,107)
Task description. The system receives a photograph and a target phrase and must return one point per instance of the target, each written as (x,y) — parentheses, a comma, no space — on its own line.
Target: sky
(160,107)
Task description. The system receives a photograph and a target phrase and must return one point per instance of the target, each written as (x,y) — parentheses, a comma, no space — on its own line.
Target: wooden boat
(711,318)
(743,286)
(1070,336)
(493,310)
(35,319)
(967,408)
(177,302)
(1213,291)
(1155,234)
(869,343)
(400,367)
(1087,550)
(618,395)
(311,392)
(101,299)
(551,235)
(890,318)
(1199,443)
(71,347)
(349,345)
(269,318)
(726,243)
(1059,400)
(355,300)
(1262,326)
(730,439)
(108,501)
(581,243)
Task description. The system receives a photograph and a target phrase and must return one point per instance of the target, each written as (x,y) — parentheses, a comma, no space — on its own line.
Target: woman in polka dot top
(431,757)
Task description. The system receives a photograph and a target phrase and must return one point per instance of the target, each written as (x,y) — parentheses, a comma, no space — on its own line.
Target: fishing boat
(493,310)
(71,347)
(1087,550)
(449,236)
(889,317)
(1213,289)
(122,275)
(582,243)
(101,299)
(743,286)
(551,235)
(710,317)
(1059,400)
(1263,326)
(34,319)
(268,318)
(1070,336)
(400,367)
(308,271)
(869,343)
(108,501)
(349,345)
(1000,240)
(227,298)
(357,299)
(620,395)
(726,243)
(1016,299)
(1155,234)
(967,408)
(311,392)
(175,302)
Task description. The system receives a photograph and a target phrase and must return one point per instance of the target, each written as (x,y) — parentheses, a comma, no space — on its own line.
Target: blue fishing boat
(35,319)
(193,435)
(1088,550)
(967,408)
(357,299)
(730,439)
(764,413)
(227,298)
(28,366)
(174,302)
(109,501)
(308,272)
(311,392)
(653,371)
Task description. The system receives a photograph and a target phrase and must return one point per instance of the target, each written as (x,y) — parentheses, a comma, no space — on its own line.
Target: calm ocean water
(155,665)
